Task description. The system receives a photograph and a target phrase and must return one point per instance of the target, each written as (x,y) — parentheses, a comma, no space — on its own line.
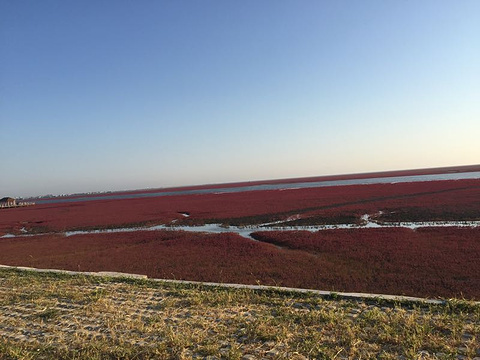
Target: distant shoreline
(437,174)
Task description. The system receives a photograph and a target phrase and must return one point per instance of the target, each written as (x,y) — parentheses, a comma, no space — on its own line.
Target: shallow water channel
(246,231)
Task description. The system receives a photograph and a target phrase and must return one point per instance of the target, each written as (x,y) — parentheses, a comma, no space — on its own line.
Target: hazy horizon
(115,95)
(457,169)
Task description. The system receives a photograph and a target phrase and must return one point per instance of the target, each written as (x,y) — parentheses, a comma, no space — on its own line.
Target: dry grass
(51,316)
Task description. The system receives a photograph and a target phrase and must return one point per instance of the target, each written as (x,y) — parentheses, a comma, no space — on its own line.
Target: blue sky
(110,95)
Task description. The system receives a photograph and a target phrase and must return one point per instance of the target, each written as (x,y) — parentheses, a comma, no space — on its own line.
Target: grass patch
(59,316)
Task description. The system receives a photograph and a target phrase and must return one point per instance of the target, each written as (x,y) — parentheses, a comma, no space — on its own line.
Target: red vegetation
(434,200)
(427,262)
(161,254)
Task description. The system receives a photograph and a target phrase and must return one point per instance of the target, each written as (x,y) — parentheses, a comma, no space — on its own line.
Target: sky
(101,95)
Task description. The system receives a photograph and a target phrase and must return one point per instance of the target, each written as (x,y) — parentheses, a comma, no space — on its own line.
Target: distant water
(286,186)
